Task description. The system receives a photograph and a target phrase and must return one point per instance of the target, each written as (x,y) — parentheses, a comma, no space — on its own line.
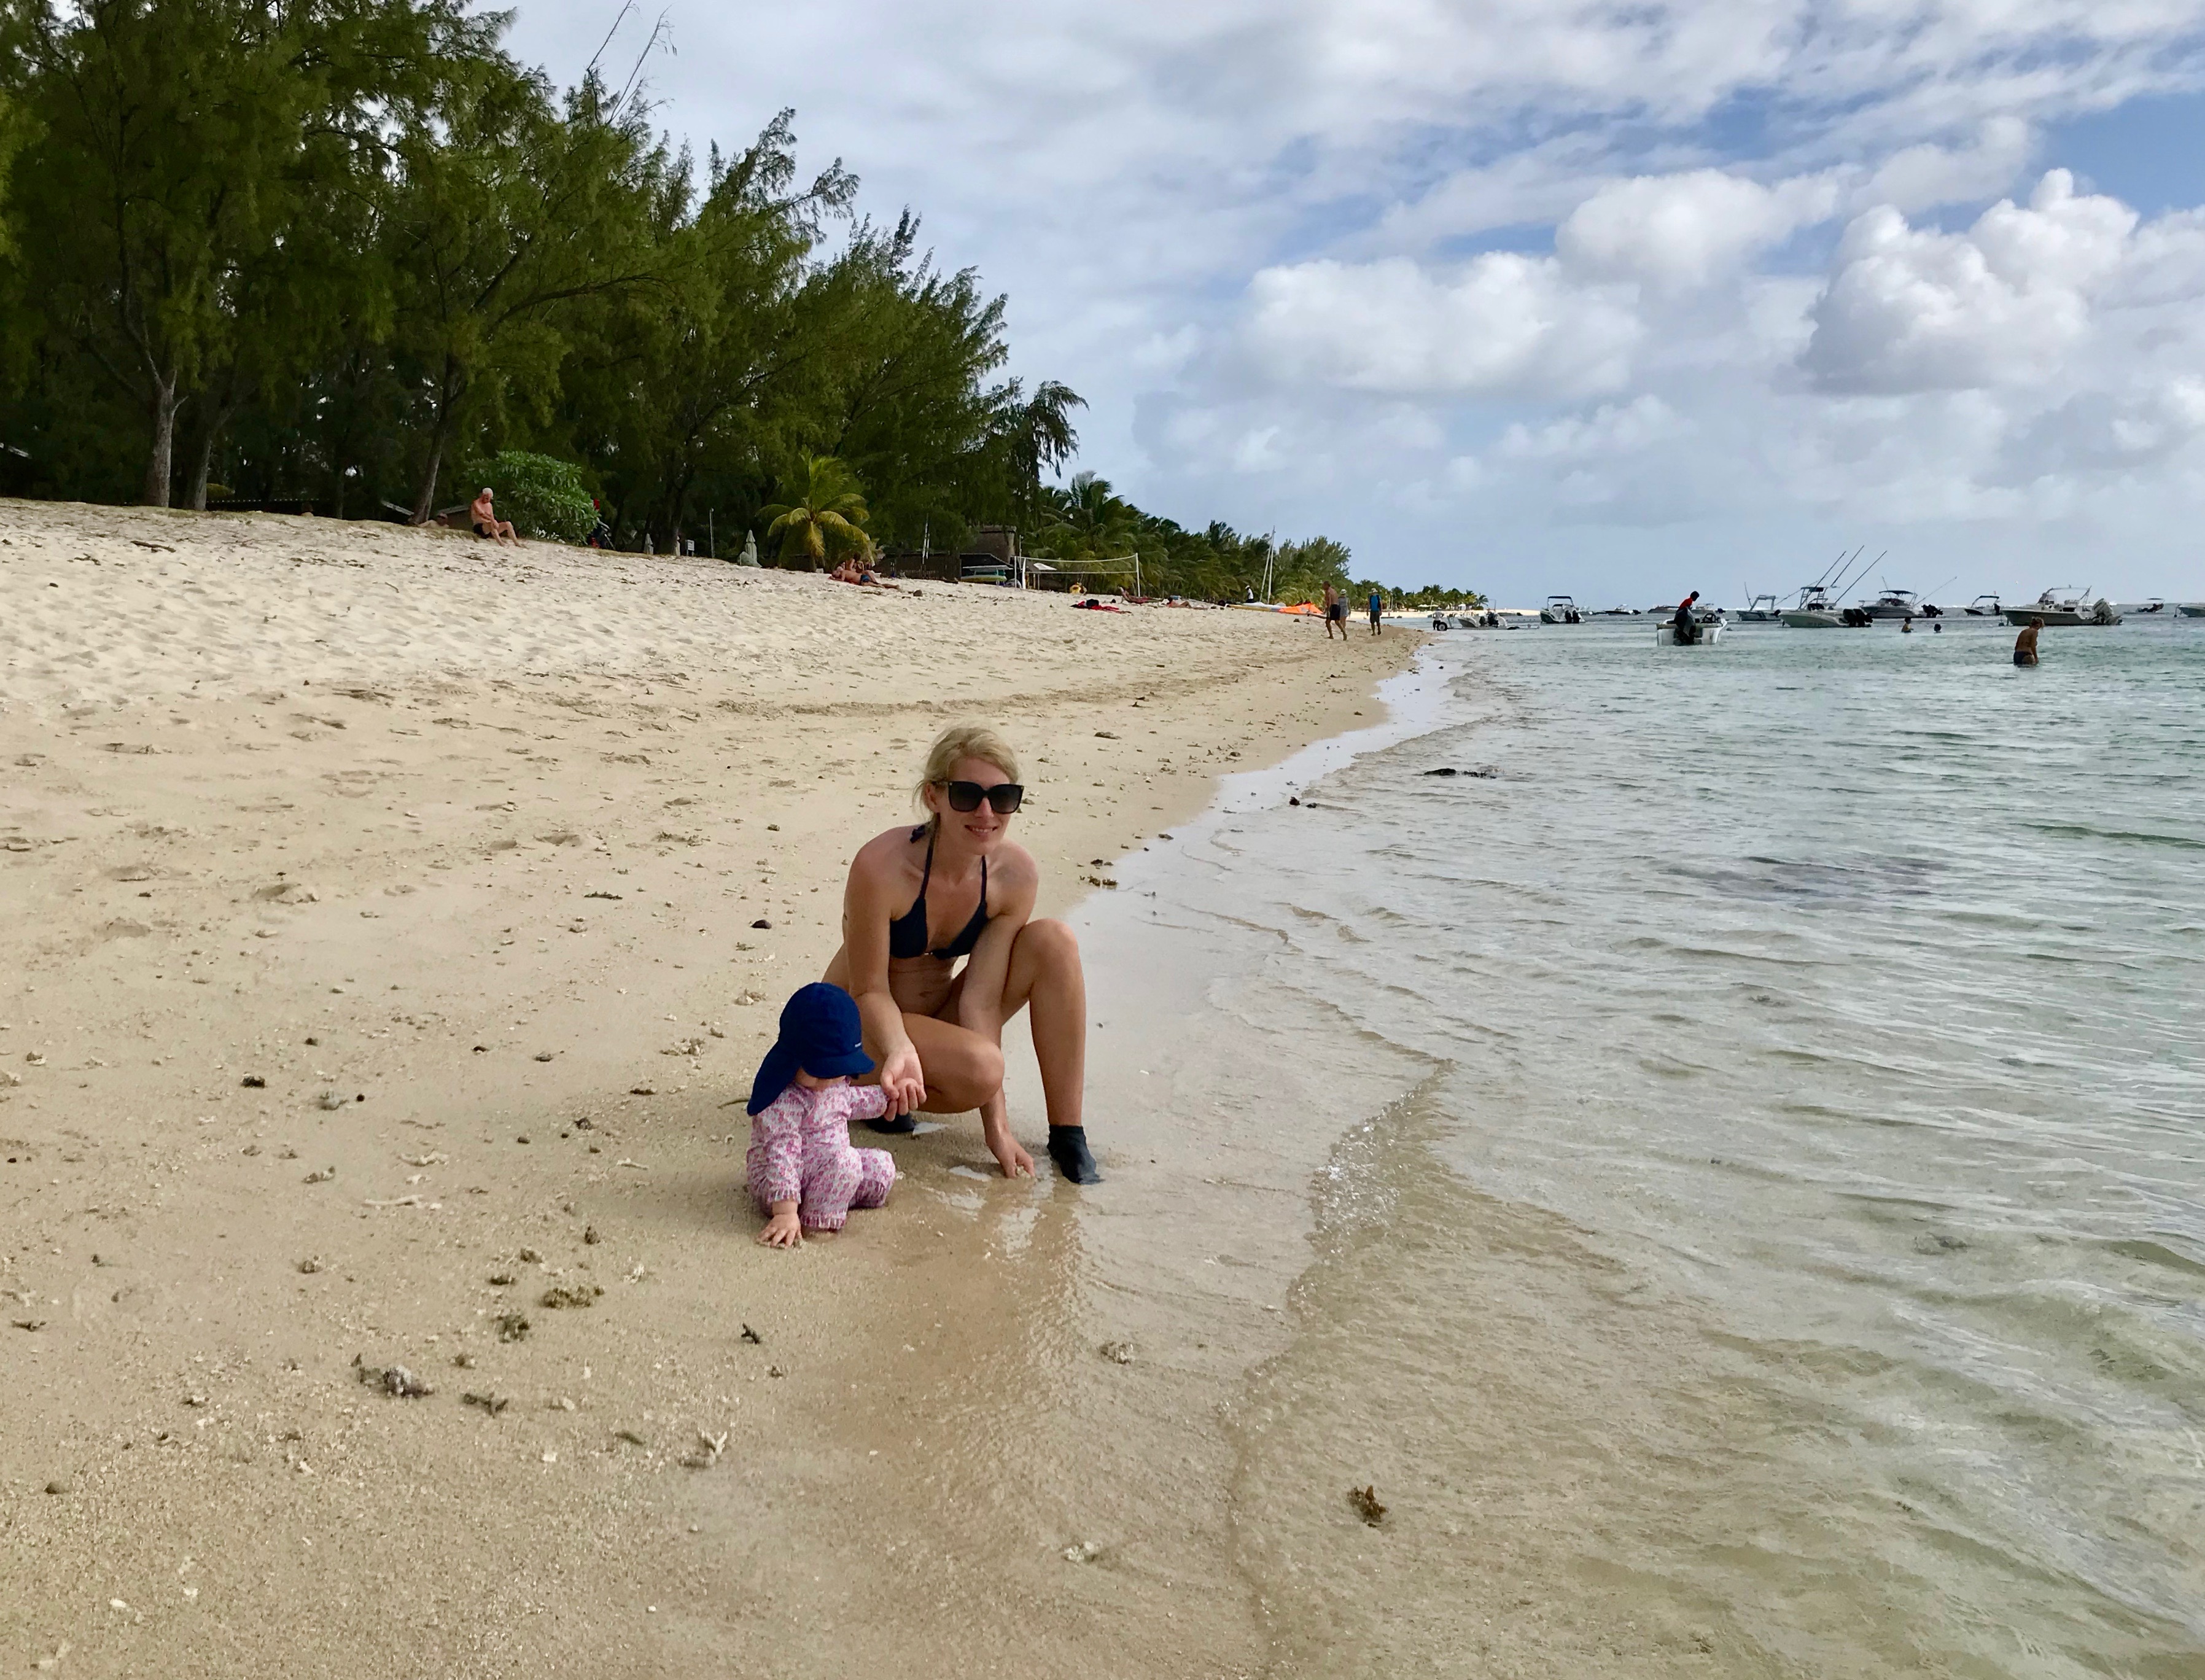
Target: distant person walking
(1377,606)
(1335,613)
(2024,645)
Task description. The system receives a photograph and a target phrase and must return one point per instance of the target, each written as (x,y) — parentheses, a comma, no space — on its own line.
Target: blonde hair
(959,742)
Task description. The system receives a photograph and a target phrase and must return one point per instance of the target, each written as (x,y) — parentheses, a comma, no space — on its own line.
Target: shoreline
(390,790)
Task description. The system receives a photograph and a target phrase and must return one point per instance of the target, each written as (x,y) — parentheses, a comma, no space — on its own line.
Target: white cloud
(1500,323)
(1612,428)
(2005,303)
(1681,232)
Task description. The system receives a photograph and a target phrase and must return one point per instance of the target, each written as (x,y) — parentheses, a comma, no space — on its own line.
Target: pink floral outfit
(800,1152)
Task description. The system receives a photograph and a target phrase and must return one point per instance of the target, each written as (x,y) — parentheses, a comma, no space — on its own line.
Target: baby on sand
(804,1175)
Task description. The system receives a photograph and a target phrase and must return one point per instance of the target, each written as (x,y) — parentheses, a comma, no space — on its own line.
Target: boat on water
(1619,612)
(2154,608)
(1761,609)
(1711,628)
(2065,606)
(1817,608)
(1893,603)
(1560,610)
(1485,620)
(1984,606)
(2193,609)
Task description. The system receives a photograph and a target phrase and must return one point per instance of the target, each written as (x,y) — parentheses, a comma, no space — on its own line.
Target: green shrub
(543,497)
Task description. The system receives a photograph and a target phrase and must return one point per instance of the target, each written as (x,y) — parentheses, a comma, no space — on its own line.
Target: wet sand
(457,854)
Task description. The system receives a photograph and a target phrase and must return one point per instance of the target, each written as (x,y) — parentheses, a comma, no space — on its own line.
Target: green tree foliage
(324,251)
(825,513)
(542,495)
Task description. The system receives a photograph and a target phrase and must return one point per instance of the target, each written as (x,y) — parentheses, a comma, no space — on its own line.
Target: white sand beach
(390,925)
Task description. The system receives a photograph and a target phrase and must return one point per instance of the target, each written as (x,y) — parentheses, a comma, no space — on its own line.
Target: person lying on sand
(850,572)
(803,1174)
(917,900)
(484,519)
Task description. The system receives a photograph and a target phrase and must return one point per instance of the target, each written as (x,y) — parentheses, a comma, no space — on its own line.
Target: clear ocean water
(1747,1156)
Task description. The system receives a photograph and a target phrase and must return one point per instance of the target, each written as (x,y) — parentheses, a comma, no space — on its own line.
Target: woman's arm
(868,906)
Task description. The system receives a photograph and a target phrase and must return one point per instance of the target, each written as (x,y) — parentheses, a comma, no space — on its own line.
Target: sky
(1612,298)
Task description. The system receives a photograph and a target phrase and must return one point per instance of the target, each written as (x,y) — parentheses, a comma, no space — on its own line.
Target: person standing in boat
(1686,624)
(2024,645)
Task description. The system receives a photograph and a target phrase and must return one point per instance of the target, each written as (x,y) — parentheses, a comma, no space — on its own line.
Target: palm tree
(1088,520)
(825,512)
(1035,433)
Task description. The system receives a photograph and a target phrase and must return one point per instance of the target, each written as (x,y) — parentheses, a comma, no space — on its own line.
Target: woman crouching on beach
(954,886)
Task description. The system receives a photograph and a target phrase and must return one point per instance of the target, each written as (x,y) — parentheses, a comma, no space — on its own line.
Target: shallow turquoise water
(1792,1250)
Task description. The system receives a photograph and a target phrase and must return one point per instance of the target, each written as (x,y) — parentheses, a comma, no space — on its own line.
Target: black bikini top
(907,933)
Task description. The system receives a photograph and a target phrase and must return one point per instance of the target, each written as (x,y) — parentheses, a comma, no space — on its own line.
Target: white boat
(1711,632)
(1892,604)
(2193,609)
(1761,609)
(1815,609)
(1619,612)
(2056,607)
(1560,610)
(2154,608)
(1983,606)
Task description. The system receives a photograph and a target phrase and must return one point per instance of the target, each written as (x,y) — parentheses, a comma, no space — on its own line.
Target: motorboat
(1619,612)
(1560,610)
(1761,609)
(1816,609)
(2154,608)
(1711,626)
(2058,607)
(1983,606)
(1892,604)
(1485,620)
(2193,609)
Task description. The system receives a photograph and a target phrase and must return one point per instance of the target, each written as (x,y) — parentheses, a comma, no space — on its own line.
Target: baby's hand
(783,1230)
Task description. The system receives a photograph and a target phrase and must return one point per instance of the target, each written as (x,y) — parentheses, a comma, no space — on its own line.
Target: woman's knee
(1053,942)
(968,1075)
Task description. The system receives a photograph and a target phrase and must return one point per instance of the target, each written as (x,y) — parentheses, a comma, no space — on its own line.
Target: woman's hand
(904,1080)
(1014,1160)
(783,1230)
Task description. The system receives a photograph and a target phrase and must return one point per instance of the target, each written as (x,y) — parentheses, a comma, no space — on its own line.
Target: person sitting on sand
(803,1172)
(2024,645)
(919,899)
(484,519)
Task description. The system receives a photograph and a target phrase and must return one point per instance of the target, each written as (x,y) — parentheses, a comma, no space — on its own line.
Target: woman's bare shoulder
(886,854)
(1015,866)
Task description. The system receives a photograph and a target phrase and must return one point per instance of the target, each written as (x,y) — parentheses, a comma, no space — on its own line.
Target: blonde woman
(920,899)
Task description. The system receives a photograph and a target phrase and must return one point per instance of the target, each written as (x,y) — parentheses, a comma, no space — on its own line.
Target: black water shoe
(1067,1148)
(896,1125)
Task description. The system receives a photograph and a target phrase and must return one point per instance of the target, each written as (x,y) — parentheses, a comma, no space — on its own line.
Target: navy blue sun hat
(820,1034)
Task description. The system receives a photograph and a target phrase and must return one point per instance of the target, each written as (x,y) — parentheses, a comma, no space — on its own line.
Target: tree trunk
(160,463)
(425,504)
(204,464)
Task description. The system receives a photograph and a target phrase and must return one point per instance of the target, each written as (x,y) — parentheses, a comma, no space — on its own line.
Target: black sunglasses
(1003,798)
